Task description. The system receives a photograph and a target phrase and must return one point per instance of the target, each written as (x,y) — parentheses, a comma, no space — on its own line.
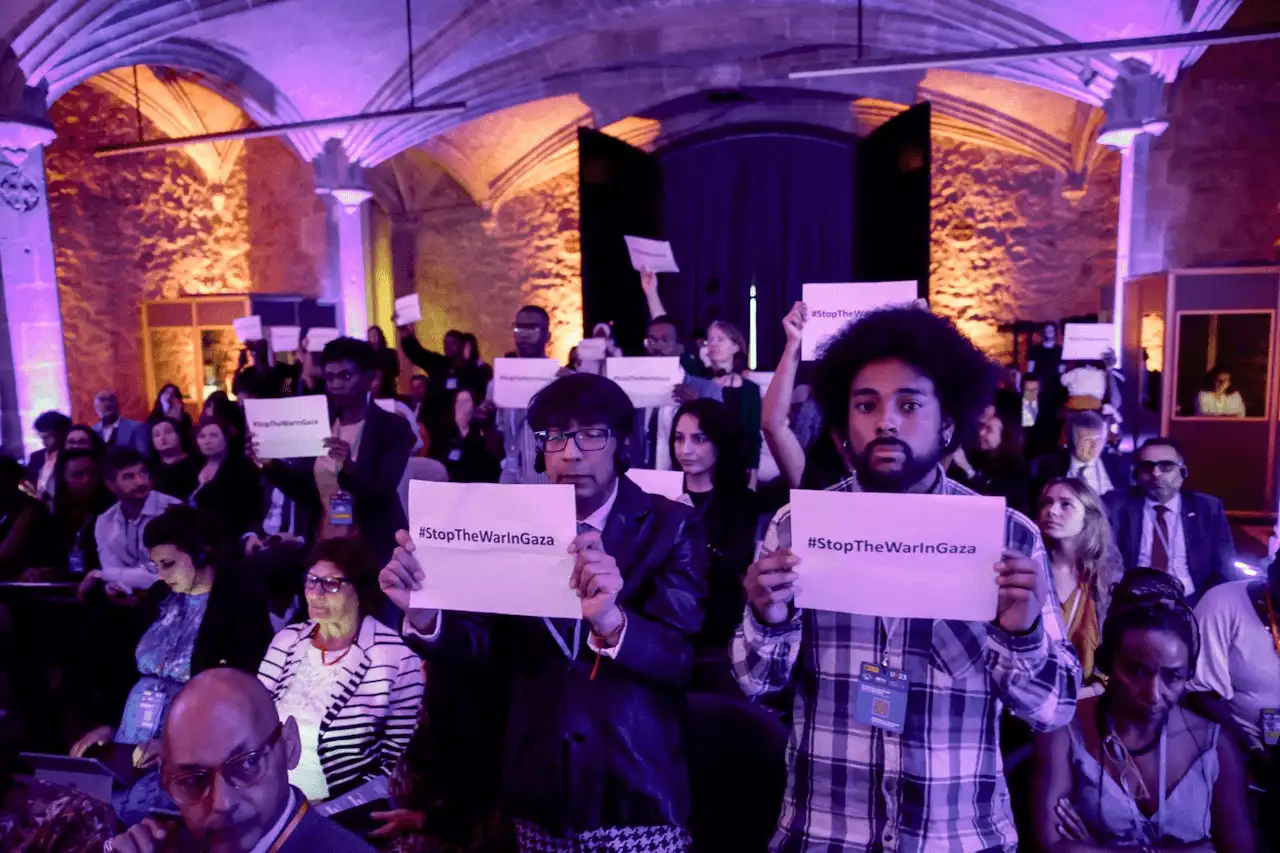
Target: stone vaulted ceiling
(531,71)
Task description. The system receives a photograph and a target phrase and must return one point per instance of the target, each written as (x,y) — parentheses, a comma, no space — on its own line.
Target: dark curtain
(894,196)
(773,207)
(620,194)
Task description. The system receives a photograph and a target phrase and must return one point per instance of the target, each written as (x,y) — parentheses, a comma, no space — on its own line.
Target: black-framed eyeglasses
(329,585)
(554,440)
(188,787)
(1164,466)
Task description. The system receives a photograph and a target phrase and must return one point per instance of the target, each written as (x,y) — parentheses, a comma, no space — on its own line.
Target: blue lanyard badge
(882,698)
(341,510)
(1271,726)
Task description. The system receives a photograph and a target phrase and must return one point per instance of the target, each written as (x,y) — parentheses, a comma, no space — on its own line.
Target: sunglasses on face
(245,770)
(553,441)
(1164,466)
(329,585)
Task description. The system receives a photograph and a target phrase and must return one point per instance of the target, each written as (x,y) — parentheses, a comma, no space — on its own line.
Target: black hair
(1086,420)
(358,352)
(382,338)
(468,338)
(583,398)
(963,378)
(117,459)
(666,320)
(101,499)
(358,564)
(1161,441)
(96,445)
(11,474)
(227,411)
(1147,600)
(723,428)
(182,428)
(54,422)
(536,309)
(180,526)
(455,334)
(1210,379)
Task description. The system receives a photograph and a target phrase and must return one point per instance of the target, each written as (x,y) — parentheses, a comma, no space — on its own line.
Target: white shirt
(1086,382)
(306,700)
(1093,474)
(1177,546)
(267,840)
(1238,659)
(1030,411)
(1220,405)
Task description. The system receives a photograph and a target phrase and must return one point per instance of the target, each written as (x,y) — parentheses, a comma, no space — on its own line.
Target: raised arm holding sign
(831,307)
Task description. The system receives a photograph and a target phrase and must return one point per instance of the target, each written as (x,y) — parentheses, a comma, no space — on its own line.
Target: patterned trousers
(628,839)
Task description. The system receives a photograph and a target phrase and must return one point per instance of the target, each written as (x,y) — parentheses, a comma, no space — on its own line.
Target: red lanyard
(289,828)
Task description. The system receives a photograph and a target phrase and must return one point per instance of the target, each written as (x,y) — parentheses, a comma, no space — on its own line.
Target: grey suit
(127,434)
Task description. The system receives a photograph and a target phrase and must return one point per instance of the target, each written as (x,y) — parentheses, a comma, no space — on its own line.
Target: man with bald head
(225,761)
(115,430)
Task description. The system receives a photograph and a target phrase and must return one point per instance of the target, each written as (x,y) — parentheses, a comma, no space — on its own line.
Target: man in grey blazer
(223,723)
(115,430)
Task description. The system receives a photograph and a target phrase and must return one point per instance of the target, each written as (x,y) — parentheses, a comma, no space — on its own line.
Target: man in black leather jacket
(593,744)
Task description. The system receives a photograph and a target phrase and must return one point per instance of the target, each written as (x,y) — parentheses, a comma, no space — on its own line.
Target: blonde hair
(1095,537)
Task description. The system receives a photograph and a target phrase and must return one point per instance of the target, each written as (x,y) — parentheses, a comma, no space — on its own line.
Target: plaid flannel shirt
(938,786)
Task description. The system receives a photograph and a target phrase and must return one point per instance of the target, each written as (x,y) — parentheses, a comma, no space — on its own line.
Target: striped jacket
(375,698)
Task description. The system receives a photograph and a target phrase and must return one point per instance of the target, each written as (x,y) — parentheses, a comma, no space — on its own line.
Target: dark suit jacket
(232,499)
(373,481)
(583,753)
(1211,552)
(128,434)
(1052,465)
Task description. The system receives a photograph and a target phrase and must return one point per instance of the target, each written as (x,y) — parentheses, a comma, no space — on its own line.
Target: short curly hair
(964,379)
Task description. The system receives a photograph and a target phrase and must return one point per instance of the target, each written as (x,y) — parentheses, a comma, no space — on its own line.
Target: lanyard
(289,828)
(577,637)
(1163,781)
(889,631)
(1271,615)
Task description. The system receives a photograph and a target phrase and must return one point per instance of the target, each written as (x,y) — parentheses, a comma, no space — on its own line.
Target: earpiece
(622,458)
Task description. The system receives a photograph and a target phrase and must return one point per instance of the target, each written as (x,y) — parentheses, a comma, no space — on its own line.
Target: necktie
(651,448)
(1160,540)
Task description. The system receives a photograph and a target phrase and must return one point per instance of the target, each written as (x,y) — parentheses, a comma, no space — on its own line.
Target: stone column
(343,184)
(33,366)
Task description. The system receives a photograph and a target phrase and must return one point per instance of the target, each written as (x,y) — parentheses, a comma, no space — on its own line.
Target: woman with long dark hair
(707,445)
(469,448)
(228,487)
(388,364)
(171,404)
(1220,399)
(80,498)
(175,468)
(727,352)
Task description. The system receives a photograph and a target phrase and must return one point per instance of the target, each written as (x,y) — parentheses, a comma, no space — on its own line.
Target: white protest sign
(284,338)
(649,381)
(387,405)
(763,379)
(898,555)
(408,310)
(248,328)
(834,306)
(289,427)
(651,255)
(593,349)
(1087,341)
(319,338)
(488,548)
(668,484)
(516,380)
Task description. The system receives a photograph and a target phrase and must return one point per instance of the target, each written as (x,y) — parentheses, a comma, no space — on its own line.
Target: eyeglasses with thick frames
(553,440)
(1164,466)
(332,586)
(189,787)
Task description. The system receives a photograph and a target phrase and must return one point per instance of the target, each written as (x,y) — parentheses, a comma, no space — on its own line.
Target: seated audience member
(354,490)
(1086,458)
(170,404)
(1220,398)
(1237,680)
(118,531)
(388,373)
(1160,524)
(901,388)
(204,614)
(52,428)
(622,697)
(1135,770)
(727,350)
(995,466)
(228,486)
(81,437)
(82,496)
(218,405)
(175,469)
(707,446)
(275,550)
(1030,401)
(23,524)
(417,394)
(224,724)
(469,448)
(472,360)
(1084,562)
(519,449)
(114,430)
(653,425)
(349,682)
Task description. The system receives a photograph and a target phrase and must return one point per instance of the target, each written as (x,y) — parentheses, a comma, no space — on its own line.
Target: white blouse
(306,700)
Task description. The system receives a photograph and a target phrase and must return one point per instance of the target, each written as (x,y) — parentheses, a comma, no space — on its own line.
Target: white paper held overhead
(517,380)
(408,310)
(248,329)
(1087,341)
(651,255)
(284,338)
(289,427)
(320,337)
(649,381)
(834,306)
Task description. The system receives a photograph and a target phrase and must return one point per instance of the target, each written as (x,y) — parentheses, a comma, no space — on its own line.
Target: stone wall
(1008,246)
(1214,180)
(150,226)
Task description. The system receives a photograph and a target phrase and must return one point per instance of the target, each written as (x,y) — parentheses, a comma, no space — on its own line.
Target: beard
(913,470)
